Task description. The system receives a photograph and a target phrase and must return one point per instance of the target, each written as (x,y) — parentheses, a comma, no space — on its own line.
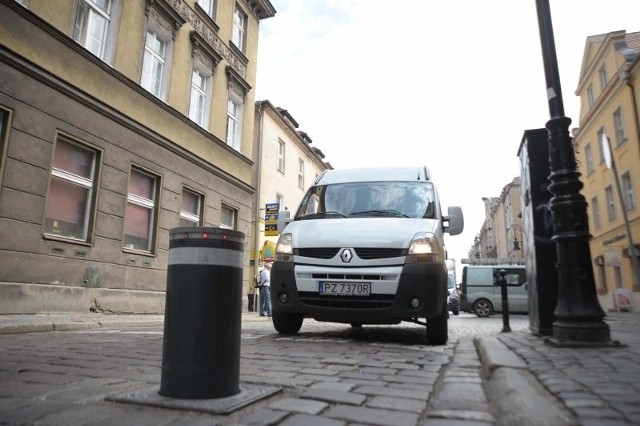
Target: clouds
(450,84)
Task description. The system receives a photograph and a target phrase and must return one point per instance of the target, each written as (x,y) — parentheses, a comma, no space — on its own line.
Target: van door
(517,290)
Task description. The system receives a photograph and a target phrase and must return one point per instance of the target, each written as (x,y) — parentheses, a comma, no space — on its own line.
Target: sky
(448,84)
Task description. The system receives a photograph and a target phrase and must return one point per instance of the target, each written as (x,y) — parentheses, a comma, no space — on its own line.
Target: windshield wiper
(391,213)
(321,215)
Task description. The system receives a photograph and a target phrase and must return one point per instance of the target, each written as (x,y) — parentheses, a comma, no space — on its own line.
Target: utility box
(203,314)
(542,273)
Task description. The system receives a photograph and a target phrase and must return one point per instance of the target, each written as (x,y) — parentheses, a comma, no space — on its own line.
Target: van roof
(372,174)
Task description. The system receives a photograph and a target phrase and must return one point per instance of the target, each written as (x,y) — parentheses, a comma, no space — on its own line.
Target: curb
(514,393)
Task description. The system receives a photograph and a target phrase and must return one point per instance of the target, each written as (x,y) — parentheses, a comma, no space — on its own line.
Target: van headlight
(284,248)
(425,248)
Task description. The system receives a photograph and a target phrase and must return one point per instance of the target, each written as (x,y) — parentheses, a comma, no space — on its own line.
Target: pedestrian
(265,289)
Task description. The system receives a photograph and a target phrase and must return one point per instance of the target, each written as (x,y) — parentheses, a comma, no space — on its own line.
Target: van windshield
(367,199)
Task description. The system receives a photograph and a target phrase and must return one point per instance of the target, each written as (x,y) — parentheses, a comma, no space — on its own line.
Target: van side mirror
(454,221)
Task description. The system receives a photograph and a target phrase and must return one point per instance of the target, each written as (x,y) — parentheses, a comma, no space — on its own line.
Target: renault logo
(346,256)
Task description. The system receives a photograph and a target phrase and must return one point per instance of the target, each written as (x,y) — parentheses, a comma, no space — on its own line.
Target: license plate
(329,288)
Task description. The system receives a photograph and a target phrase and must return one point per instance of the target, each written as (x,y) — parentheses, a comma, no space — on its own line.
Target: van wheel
(286,323)
(483,308)
(437,328)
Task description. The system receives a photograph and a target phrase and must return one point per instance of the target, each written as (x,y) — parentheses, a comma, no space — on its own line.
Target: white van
(366,246)
(482,293)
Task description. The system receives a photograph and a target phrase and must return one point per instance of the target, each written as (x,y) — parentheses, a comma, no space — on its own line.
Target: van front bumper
(421,293)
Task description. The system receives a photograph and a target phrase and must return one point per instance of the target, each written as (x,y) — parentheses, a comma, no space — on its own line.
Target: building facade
(287,165)
(120,120)
(500,239)
(609,89)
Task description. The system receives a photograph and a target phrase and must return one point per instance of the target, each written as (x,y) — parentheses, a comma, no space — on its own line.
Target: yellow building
(609,89)
(119,120)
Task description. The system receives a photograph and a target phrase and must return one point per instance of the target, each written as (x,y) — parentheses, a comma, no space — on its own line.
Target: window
(595,210)
(154,66)
(94,29)
(208,6)
(72,190)
(140,213)
(280,164)
(603,77)
(234,122)
(191,208)
(618,123)
(611,205)
(300,173)
(588,158)
(627,191)
(200,97)
(600,148)
(228,217)
(239,28)
(591,97)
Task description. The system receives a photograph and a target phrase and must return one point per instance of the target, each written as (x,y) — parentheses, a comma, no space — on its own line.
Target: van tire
(437,328)
(483,308)
(286,323)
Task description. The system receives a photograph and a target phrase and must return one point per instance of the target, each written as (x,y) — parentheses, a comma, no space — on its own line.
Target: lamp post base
(591,334)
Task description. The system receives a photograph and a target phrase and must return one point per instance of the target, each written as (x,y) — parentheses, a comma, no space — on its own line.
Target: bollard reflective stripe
(204,256)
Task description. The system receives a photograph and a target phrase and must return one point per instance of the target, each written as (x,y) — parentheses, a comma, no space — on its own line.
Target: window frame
(81,34)
(618,126)
(300,173)
(627,188)
(150,204)
(588,157)
(198,218)
(210,9)
(234,121)
(599,143)
(239,28)
(602,75)
(611,203)
(150,54)
(280,160)
(203,94)
(591,98)
(234,216)
(595,209)
(89,184)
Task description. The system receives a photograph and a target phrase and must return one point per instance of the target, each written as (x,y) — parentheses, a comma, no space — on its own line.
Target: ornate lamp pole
(579,317)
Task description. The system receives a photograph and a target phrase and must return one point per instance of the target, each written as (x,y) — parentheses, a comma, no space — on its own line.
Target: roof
(371,174)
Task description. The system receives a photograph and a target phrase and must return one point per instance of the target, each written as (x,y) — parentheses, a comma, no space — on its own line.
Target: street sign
(271,219)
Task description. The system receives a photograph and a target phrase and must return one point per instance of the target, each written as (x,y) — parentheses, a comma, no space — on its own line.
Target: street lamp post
(578,315)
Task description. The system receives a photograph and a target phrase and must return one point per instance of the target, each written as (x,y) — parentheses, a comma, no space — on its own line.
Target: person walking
(265,290)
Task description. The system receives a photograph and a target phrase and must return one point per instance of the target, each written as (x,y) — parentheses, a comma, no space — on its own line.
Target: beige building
(609,89)
(119,120)
(287,164)
(500,239)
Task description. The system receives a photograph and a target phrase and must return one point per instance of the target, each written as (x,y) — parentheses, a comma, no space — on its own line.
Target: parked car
(454,296)
(481,292)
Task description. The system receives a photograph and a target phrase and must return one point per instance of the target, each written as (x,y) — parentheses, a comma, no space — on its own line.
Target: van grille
(366,253)
(376,301)
(318,252)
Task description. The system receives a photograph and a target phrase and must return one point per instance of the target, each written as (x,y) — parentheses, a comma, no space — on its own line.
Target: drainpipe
(258,194)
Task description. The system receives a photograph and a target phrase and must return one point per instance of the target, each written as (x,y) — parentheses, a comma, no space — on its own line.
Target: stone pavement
(493,378)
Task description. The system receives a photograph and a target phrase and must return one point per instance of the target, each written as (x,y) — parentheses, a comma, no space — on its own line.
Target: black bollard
(505,300)
(203,314)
